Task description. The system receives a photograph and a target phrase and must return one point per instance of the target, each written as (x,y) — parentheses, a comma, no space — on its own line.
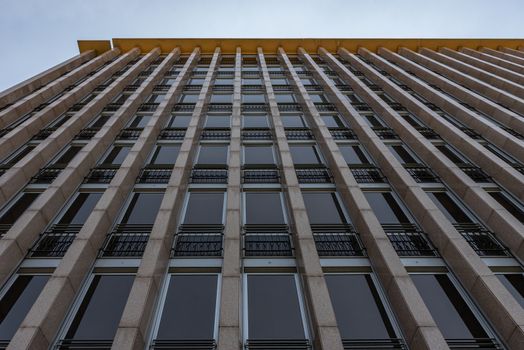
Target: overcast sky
(37,34)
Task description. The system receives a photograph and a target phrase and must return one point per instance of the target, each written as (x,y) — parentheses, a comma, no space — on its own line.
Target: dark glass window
(98,316)
(221,98)
(223,81)
(212,155)
(179,121)
(80,208)
(143,208)
(353,98)
(253,98)
(354,154)
(116,155)
(318,98)
(255,121)
(386,208)
(308,81)
(285,98)
(188,98)
(449,207)
(273,307)
(373,121)
(323,208)
(258,155)
(9,216)
(17,302)
(359,311)
(279,81)
(332,121)
(100,121)
(509,205)
(251,81)
(449,310)
(264,208)
(140,121)
(514,282)
(411,120)
(19,154)
(305,154)
(204,208)
(67,156)
(402,154)
(189,308)
(165,154)
(155,98)
(292,121)
(218,121)
(196,81)
(450,153)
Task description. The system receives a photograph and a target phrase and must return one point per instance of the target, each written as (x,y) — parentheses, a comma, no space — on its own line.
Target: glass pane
(354,155)
(100,312)
(179,121)
(218,121)
(140,121)
(212,155)
(255,121)
(258,155)
(142,209)
(451,154)
(285,98)
(402,154)
(165,154)
(100,121)
(449,208)
(449,310)
(189,308)
(292,121)
(304,155)
(190,98)
(221,98)
(19,154)
(80,209)
(358,308)
(204,208)
(253,98)
(509,205)
(17,209)
(373,121)
(323,208)
(273,307)
(68,155)
(264,208)
(117,155)
(332,121)
(386,208)
(17,302)
(514,282)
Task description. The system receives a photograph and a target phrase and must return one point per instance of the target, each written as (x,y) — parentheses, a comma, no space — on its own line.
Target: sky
(38,34)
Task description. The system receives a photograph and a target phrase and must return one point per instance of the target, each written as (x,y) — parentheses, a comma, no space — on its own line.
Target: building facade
(265,194)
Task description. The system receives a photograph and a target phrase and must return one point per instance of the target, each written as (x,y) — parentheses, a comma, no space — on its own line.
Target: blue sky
(37,34)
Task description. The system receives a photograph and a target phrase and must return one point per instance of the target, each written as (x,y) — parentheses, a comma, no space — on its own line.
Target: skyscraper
(266,194)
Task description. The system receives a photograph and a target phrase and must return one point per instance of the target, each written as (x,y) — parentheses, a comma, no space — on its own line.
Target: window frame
(282,203)
(185,205)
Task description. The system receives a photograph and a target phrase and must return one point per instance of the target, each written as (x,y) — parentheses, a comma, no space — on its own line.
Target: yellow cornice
(249,46)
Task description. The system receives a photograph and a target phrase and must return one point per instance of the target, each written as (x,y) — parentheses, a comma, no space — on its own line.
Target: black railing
(385,133)
(184,107)
(43,134)
(267,240)
(47,175)
(74,344)
(126,240)
(256,134)
(131,87)
(299,134)
(289,107)
(148,107)
(473,343)
(254,107)
(474,172)
(77,106)
(344,87)
(130,133)
(220,107)
(277,344)
(361,106)
(373,344)
(101,174)
(314,175)
(337,240)
(112,107)
(208,176)
(172,134)
(184,344)
(480,239)
(54,242)
(421,173)
(282,88)
(264,176)
(342,134)
(198,240)
(216,134)
(87,133)
(367,173)
(155,174)
(427,132)
(433,106)
(325,107)
(408,240)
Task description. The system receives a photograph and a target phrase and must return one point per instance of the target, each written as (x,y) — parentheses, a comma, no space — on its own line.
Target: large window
(165,155)
(16,302)
(258,155)
(253,98)
(402,154)
(353,154)
(179,121)
(212,155)
(305,154)
(66,156)
(139,121)
(221,98)
(332,121)
(80,208)
(509,204)
(15,209)
(142,208)
(255,121)
(264,208)
(285,98)
(292,121)
(204,208)
(449,207)
(323,208)
(116,155)
(514,282)
(387,208)
(218,121)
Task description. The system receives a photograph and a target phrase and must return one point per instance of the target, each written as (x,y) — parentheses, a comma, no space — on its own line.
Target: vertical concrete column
(230,321)
(495,60)
(26,87)
(483,126)
(326,335)
(37,121)
(478,279)
(138,313)
(498,113)
(504,56)
(469,70)
(33,221)
(501,171)
(512,51)
(43,320)
(21,172)
(483,65)
(419,328)
(486,90)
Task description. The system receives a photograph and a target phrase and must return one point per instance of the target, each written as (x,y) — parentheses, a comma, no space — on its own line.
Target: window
(218,121)
(19,154)
(451,154)
(273,307)
(155,98)
(353,98)
(402,154)
(449,310)
(308,81)
(258,155)
(213,155)
(13,211)
(323,208)
(17,301)
(98,122)
(221,98)
(509,204)
(449,207)
(196,81)
(189,309)
(264,208)
(179,121)
(292,121)
(354,154)
(318,98)
(116,155)
(514,283)
(140,121)
(358,308)
(333,121)
(255,121)
(414,122)
(142,208)
(224,81)
(165,154)
(188,98)
(373,121)
(80,208)
(386,208)
(99,313)
(285,98)
(253,98)
(279,81)
(251,81)
(204,208)
(65,157)
(305,154)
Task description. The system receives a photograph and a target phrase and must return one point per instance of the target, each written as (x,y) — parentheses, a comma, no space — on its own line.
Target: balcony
(260,176)
(129,134)
(342,134)
(148,107)
(428,133)
(43,134)
(54,242)
(208,176)
(280,344)
(314,175)
(220,107)
(408,240)
(481,240)
(361,106)
(254,107)
(172,134)
(216,134)
(385,133)
(126,240)
(421,173)
(155,174)
(198,240)
(299,134)
(257,134)
(337,240)
(87,133)
(474,172)
(101,174)
(473,343)
(373,344)
(190,344)
(184,107)
(47,175)
(325,107)
(267,240)
(289,107)
(367,173)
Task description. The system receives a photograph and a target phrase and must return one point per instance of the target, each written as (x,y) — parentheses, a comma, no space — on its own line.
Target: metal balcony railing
(385,133)
(367,173)
(361,106)
(198,240)
(282,88)
(342,134)
(185,344)
(102,174)
(155,174)
(256,134)
(47,175)
(481,240)
(54,242)
(131,87)
(267,244)
(277,344)
(44,134)
(344,88)
(299,134)
(314,175)
(374,87)
(126,240)
(112,107)
(148,107)
(216,134)
(325,107)
(220,107)
(373,344)
(473,343)
(337,240)
(183,107)
(421,173)
(252,88)
(208,176)
(87,133)
(474,172)
(73,344)
(427,132)
(433,106)
(261,176)
(254,107)
(172,134)
(76,107)
(408,240)
(289,107)
(129,133)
